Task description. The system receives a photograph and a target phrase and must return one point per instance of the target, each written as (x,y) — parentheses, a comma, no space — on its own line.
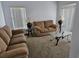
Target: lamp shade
(27,20)
(62,18)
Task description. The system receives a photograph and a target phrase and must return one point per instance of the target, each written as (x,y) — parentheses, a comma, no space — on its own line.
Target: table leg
(57,38)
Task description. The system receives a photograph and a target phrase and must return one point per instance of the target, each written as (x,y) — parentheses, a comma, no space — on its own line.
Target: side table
(57,36)
(62,35)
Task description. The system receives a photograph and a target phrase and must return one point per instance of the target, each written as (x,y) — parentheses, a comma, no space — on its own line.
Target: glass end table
(58,36)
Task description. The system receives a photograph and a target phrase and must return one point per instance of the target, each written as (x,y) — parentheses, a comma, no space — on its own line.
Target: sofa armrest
(14,53)
(18,31)
(54,26)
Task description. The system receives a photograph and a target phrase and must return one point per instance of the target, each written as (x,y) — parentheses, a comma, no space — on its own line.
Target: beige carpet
(42,47)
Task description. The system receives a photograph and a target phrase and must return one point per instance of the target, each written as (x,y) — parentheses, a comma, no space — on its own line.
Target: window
(18,17)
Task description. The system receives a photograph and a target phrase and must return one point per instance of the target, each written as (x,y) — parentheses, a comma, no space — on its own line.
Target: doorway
(67,12)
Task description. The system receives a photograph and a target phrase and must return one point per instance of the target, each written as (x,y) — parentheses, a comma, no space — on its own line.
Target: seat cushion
(3,45)
(18,35)
(14,53)
(38,28)
(8,30)
(46,30)
(40,24)
(17,40)
(51,29)
(4,36)
(16,46)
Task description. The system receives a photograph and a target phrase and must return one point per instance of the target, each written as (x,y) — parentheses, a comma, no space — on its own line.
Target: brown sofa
(12,43)
(42,27)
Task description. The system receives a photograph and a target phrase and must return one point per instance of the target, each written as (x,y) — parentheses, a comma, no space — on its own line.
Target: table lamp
(60,22)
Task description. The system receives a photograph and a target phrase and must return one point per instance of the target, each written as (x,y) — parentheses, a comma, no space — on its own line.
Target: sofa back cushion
(4,36)
(8,30)
(3,45)
(48,23)
(39,24)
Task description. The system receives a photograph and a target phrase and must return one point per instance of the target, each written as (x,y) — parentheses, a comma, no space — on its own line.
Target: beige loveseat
(43,27)
(12,43)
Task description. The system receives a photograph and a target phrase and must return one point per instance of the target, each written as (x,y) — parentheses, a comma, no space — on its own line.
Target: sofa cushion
(4,36)
(16,46)
(18,35)
(48,23)
(17,40)
(3,45)
(14,53)
(18,31)
(51,29)
(8,30)
(46,30)
(38,28)
(40,24)
(54,26)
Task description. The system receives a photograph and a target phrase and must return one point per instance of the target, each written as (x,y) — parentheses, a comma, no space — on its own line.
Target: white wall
(2,21)
(34,10)
(74,52)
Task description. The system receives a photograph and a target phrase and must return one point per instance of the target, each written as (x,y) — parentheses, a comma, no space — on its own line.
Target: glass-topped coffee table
(57,36)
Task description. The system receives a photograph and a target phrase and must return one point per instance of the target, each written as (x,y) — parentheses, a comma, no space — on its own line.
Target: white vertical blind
(68,13)
(18,17)
(2,20)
